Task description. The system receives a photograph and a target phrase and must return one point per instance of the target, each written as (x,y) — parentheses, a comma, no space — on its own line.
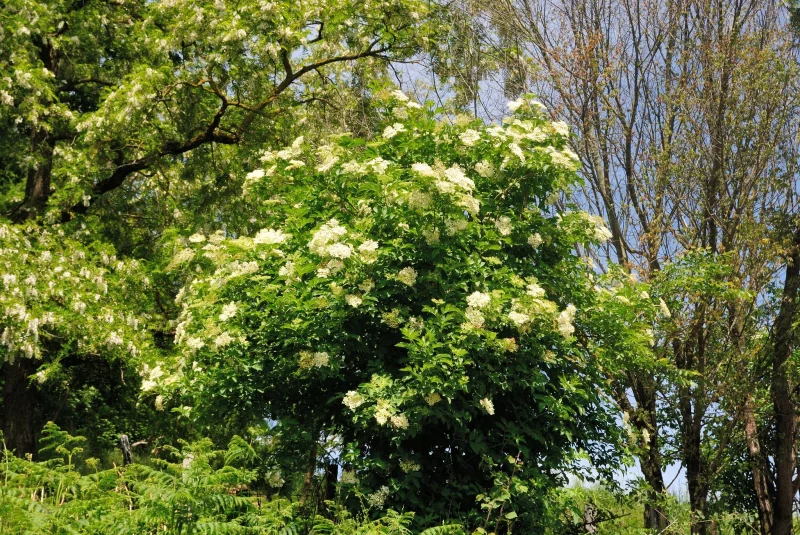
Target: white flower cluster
(565,319)
(390,131)
(563,158)
(348,477)
(318,359)
(64,294)
(268,236)
(600,232)
(378,498)
(326,241)
(484,169)
(447,181)
(503,225)
(228,311)
(469,137)
(407,276)
(353,300)
(353,400)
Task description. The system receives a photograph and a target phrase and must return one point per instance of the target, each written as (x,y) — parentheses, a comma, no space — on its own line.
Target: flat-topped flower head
(268,236)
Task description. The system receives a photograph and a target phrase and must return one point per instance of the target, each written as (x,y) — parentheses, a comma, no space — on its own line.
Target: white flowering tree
(59,298)
(419,296)
(94,94)
(133,118)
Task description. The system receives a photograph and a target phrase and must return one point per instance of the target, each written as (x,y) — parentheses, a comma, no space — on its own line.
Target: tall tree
(112,105)
(684,114)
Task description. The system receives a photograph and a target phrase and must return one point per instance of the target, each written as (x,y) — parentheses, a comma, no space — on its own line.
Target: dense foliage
(417,296)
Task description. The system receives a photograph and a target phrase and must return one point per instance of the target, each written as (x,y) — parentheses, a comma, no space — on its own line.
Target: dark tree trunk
(19,402)
(331,477)
(19,397)
(759,469)
(785,455)
(654,515)
(691,355)
(37,186)
(308,481)
(698,490)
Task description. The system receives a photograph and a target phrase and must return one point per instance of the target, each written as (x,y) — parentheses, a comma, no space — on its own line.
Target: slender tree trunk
(19,402)
(785,455)
(698,490)
(308,481)
(331,478)
(758,466)
(654,515)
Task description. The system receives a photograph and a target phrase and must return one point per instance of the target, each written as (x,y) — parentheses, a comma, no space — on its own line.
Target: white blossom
(518,318)
(433,399)
(399,421)
(475,317)
(454,226)
(503,224)
(228,311)
(561,128)
(340,250)
(268,236)
(469,137)
(470,204)
(516,150)
(223,340)
(353,300)
(418,200)
(488,406)
(287,270)
(424,169)
(407,276)
(478,300)
(565,319)
(328,233)
(195,343)
(664,309)
(114,339)
(353,400)
(484,169)
(378,498)
(254,175)
(390,131)
(456,175)
(348,477)
(535,291)
(514,105)
(399,95)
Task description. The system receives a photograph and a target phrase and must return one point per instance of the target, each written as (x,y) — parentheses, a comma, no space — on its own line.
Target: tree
(419,297)
(684,114)
(115,106)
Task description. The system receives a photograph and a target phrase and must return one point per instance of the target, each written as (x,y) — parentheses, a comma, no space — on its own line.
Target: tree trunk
(331,478)
(759,469)
(19,401)
(785,455)
(37,186)
(698,490)
(308,482)
(654,515)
